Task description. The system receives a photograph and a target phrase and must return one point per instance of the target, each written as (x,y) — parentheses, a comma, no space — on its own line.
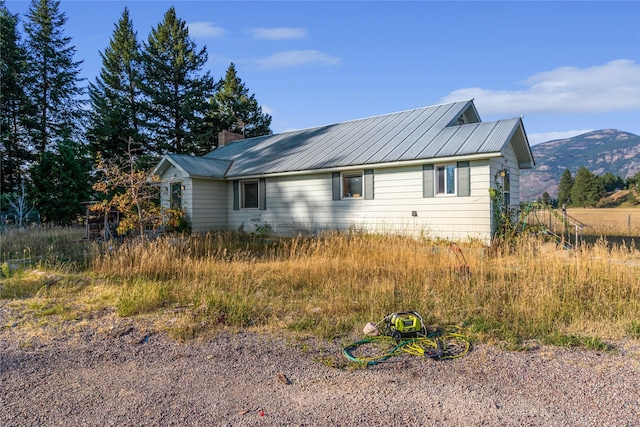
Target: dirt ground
(116,372)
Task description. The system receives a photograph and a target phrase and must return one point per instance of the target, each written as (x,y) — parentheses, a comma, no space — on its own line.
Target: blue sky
(567,67)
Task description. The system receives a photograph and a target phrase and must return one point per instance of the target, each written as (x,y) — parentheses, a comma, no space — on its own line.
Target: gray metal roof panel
(200,166)
(427,141)
(323,144)
(396,135)
(414,134)
(373,128)
(421,133)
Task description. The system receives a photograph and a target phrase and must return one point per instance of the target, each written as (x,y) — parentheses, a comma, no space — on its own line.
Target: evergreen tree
(15,109)
(546,198)
(564,188)
(61,182)
(176,91)
(611,182)
(115,97)
(53,75)
(237,111)
(587,188)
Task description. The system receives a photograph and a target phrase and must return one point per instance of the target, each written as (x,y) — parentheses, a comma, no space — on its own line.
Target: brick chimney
(226,137)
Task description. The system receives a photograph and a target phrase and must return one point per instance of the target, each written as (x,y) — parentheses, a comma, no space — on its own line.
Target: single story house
(424,172)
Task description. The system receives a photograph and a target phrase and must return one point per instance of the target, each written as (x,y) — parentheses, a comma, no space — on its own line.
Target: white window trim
(455,180)
(342,189)
(242,191)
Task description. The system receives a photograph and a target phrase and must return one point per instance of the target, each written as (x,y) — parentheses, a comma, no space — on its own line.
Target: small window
(506,186)
(446,179)
(175,201)
(249,191)
(352,185)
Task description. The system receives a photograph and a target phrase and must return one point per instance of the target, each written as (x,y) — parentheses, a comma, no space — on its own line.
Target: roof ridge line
(376,116)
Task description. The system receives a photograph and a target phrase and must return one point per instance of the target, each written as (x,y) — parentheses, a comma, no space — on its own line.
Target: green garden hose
(376,349)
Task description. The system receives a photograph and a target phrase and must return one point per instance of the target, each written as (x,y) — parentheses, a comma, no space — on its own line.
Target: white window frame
(444,167)
(243,204)
(343,190)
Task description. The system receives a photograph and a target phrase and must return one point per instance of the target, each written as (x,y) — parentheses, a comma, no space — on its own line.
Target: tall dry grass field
(42,244)
(334,284)
(331,285)
(609,221)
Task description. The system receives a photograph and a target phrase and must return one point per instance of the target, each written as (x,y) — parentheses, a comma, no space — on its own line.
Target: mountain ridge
(601,151)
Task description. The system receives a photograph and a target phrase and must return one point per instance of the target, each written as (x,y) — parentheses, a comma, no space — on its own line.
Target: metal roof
(419,134)
(194,166)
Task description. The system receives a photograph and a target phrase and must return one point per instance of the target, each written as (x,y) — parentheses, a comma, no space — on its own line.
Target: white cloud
(282,33)
(205,29)
(614,86)
(537,138)
(294,58)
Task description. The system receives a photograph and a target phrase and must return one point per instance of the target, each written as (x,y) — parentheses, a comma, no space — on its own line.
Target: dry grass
(609,222)
(333,285)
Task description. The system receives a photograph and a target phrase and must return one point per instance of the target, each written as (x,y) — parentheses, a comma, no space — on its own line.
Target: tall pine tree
(15,108)
(115,118)
(237,111)
(53,75)
(176,90)
(564,188)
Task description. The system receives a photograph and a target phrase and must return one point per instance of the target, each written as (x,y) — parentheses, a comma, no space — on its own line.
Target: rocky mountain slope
(601,151)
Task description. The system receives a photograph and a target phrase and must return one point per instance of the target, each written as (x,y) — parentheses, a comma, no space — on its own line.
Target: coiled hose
(439,345)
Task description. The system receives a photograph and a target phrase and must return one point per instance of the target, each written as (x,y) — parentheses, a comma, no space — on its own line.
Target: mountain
(601,151)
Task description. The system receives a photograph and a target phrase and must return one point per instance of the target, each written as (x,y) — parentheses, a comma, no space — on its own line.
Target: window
(175,201)
(506,186)
(249,191)
(446,179)
(352,184)
(250,194)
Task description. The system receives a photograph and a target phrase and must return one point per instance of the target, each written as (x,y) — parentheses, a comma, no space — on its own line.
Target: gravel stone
(104,372)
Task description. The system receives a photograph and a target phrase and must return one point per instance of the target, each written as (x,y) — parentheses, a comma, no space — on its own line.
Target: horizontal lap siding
(509,161)
(304,204)
(293,204)
(207,209)
(514,172)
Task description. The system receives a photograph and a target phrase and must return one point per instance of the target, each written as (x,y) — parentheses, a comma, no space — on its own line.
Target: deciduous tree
(130,191)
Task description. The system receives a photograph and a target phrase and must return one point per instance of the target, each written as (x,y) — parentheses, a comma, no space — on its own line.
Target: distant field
(618,221)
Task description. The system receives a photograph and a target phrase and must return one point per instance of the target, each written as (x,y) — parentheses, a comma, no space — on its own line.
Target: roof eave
(432,160)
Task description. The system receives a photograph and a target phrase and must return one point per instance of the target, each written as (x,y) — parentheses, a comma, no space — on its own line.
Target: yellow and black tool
(404,324)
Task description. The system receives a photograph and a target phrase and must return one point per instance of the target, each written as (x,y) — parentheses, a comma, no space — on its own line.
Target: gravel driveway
(122,375)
